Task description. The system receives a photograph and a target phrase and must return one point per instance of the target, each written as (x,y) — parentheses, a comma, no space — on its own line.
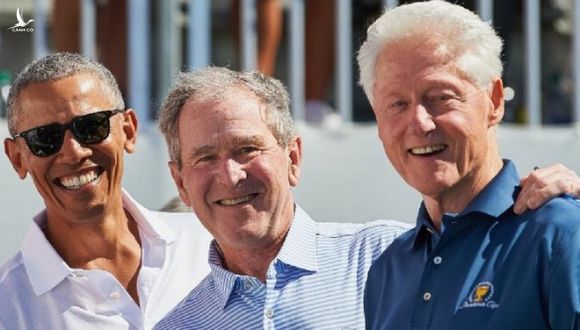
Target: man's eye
(398,104)
(204,159)
(442,98)
(248,149)
(396,107)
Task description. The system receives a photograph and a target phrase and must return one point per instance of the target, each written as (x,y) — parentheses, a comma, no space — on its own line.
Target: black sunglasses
(46,140)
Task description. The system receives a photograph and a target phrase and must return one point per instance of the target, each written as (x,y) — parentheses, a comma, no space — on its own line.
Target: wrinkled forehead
(406,57)
(428,49)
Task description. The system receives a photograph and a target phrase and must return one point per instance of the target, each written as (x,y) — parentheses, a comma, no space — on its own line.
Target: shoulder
(12,270)
(371,238)
(553,229)
(387,228)
(558,216)
(15,289)
(183,223)
(402,241)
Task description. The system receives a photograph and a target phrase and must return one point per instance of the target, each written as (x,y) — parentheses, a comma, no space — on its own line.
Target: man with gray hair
(93,258)
(432,73)
(235,157)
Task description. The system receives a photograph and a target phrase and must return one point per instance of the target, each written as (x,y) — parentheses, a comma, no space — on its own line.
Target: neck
(109,243)
(456,198)
(250,262)
(80,243)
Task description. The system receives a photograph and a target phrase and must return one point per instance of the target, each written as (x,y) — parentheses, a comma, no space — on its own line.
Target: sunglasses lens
(89,129)
(92,128)
(44,141)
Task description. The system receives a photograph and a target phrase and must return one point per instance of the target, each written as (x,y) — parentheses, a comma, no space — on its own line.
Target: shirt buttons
(77,274)
(427,296)
(437,260)
(269,313)
(115,295)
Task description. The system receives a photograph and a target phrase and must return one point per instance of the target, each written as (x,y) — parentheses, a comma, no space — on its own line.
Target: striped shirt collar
(298,251)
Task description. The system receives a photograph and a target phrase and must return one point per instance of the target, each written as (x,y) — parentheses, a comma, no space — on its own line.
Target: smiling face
(80,183)
(234,174)
(436,126)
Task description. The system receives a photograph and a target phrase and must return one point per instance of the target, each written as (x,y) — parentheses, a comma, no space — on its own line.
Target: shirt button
(114,295)
(427,296)
(269,313)
(437,260)
(248,285)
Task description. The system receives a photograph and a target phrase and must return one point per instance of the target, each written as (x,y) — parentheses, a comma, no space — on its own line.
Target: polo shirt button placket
(115,295)
(269,313)
(437,260)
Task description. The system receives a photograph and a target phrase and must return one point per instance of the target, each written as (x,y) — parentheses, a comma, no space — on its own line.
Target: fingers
(543,184)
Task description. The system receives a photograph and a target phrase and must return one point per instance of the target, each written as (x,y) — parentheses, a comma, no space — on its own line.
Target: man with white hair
(432,73)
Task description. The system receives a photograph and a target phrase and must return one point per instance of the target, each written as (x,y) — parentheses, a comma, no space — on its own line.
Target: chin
(430,186)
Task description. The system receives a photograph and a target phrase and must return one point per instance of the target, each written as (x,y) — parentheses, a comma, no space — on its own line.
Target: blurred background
(310,45)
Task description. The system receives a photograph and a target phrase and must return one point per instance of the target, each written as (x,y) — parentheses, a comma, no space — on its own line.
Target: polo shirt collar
(224,280)
(496,198)
(423,224)
(148,221)
(499,195)
(45,267)
(299,248)
(299,251)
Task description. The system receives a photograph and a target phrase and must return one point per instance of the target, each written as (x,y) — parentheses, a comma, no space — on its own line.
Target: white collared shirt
(38,290)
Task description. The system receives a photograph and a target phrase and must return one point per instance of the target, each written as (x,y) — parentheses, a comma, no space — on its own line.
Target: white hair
(472,43)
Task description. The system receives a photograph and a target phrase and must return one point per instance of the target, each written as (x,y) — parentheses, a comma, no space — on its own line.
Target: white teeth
(76,182)
(230,202)
(427,149)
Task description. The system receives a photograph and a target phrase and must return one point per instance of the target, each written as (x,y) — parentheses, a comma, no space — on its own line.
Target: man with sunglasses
(94,258)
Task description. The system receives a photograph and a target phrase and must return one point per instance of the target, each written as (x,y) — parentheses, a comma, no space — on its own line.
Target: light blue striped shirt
(316,282)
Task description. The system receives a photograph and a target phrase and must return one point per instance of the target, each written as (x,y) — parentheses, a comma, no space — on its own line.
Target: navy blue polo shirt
(489,269)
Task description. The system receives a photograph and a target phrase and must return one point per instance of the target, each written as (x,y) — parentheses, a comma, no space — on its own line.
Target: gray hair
(55,67)
(473,43)
(214,83)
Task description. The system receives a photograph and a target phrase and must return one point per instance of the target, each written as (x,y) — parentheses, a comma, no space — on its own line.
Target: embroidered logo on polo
(481,296)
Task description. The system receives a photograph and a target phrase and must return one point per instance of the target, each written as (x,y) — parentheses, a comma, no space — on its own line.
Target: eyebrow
(252,139)
(235,142)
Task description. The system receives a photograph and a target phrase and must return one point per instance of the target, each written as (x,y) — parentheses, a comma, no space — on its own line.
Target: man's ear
(497,101)
(294,160)
(12,150)
(177,178)
(130,124)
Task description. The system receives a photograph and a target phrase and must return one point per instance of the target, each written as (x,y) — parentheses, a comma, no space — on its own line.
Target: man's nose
(422,120)
(231,172)
(72,151)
